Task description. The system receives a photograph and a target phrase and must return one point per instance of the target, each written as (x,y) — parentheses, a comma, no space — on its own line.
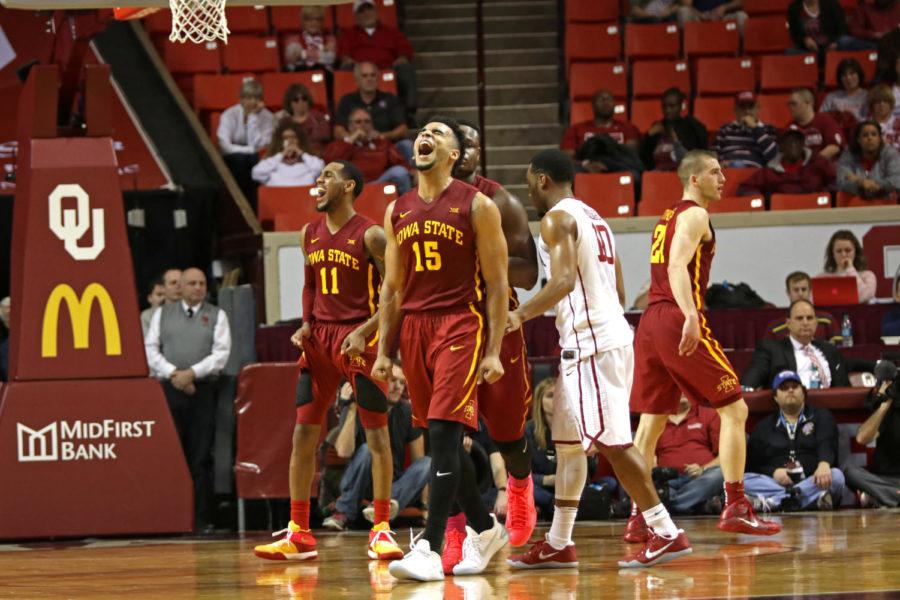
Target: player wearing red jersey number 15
(445,278)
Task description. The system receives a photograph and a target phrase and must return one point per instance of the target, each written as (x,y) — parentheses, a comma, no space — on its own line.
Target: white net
(198,21)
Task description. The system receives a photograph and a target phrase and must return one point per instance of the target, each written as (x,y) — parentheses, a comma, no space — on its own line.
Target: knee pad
(571,471)
(304,388)
(368,395)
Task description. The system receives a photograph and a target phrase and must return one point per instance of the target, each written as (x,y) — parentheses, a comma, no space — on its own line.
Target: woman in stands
(869,168)
(313,48)
(844,257)
(880,101)
(850,97)
(298,107)
(288,161)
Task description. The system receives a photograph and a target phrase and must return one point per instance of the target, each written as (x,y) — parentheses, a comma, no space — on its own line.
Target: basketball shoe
(636,531)
(542,555)
(298,544)
(381,543)
(478,548)
(420,563)
(658,549)
(521,515)
(739,517)
(452,554)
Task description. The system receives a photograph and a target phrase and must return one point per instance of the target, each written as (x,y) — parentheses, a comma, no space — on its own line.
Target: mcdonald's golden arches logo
(80,315)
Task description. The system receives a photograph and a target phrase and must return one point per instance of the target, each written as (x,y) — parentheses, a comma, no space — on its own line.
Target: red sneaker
(297,544)
(542,555)
(636,531)
(452,554)
(658,550)
(521,515)
(738,517)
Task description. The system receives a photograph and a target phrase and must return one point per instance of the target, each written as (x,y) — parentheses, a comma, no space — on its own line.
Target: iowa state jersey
(486,186)
(698,268)
(436,242)
(346,280)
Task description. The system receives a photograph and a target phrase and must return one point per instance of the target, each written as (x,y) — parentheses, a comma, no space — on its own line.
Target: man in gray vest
(187,345)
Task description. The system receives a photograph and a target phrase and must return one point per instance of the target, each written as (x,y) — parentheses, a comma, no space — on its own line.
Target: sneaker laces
(384,535)
(515,513)
(471,548)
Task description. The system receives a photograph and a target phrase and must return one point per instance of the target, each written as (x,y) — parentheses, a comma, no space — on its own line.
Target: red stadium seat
(711,38)
(247,53)
(593,42)
(652,41)
(584,111)
(216,92)
(659,190)
(645,112)
(734,178)
(610,194)
(763,35)
(387,14)
(345,84)
(653,77)
(591,11)
(800,201)
(159,23)
(586,78)
(289,222)
(286,19)
(729,204)
(773,109)
(192,58)
(285,200)
(786,72)
(845,200)
(717,76)
(248,19)
(867,59)
(766,7)
(374,200)
(275,84)
(714,112)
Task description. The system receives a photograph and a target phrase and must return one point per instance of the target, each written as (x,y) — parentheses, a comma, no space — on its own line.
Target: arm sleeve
(309,293)
(159,366)
(263,170)
(314,163)
(221,348)
(768,143)
(890,179)
(345,46)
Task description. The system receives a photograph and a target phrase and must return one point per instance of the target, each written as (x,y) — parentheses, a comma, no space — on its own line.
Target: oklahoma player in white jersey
(591,410)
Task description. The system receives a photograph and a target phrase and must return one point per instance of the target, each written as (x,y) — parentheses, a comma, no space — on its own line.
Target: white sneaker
(369,511)
(420,563)
(478,548)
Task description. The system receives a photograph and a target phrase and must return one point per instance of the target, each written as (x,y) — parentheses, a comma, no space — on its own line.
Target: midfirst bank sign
(77,440)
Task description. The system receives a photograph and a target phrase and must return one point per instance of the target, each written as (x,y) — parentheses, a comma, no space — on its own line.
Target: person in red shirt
(690,444)
(796,170)
(387,47)
(822,133)
(376,157)
(603,122)
(873,21)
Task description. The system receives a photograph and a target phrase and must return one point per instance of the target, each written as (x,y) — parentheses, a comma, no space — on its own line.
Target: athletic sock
(457,522)
(382,510)
(659,520)
(560,534)
(300,513)
(734,491)
(518,484)
(634,508)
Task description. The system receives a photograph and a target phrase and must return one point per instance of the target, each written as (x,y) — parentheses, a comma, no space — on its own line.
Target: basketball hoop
(198,21)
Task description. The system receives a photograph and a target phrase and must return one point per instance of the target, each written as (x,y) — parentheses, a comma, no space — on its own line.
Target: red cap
(746,98)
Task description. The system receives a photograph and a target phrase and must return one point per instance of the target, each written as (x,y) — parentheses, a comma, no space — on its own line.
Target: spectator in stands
(604,122)
(4,339)
(871,21)
(881,102)
(653,11)
(373,42)
(851,96)
(890,320)
(690,444)
(795,170)
(386,110)
(288,161)
(822,133)
(868,167)
(172,282)
(712,10)
(4,318)
(314,48)
(156,297)
(880,484)
(746,141)
(356,484)
(818,362)
(298,107)
(818,26)
(669,139)
(844,257)
(244,130)
(187,346)
(798,286)
(791,452)
(375,156)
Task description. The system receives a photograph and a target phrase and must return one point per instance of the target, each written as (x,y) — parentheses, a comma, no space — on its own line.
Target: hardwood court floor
(844,553)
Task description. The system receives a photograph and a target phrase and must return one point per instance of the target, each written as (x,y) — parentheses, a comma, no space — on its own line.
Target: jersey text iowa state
(432,228)
(333,255)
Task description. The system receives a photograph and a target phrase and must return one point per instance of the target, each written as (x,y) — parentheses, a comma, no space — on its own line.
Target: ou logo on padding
(71,225)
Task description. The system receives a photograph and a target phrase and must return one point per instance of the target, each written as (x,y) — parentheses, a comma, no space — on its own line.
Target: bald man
(187,345)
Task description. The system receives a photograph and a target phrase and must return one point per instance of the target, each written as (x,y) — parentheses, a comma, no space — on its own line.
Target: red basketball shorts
(440,352)
(326,365)
(661,375)
(504,404)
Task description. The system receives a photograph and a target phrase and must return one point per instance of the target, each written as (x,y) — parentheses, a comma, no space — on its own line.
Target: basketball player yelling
(503,405)
(675,352)
(591,405)
(344,255)
(445,275)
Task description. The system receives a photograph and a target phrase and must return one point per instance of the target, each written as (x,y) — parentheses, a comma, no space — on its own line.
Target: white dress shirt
(246,137)
(275,172)
(211,364)
(805,367)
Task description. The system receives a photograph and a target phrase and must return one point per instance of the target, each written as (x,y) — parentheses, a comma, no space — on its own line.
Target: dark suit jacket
(773,356)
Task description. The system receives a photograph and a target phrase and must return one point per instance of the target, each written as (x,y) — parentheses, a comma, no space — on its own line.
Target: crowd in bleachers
(663,77)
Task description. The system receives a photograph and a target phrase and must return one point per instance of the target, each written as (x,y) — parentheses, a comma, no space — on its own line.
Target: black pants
(195,421)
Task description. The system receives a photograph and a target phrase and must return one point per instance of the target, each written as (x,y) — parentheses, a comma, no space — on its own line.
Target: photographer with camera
(791,451)
(880,485)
